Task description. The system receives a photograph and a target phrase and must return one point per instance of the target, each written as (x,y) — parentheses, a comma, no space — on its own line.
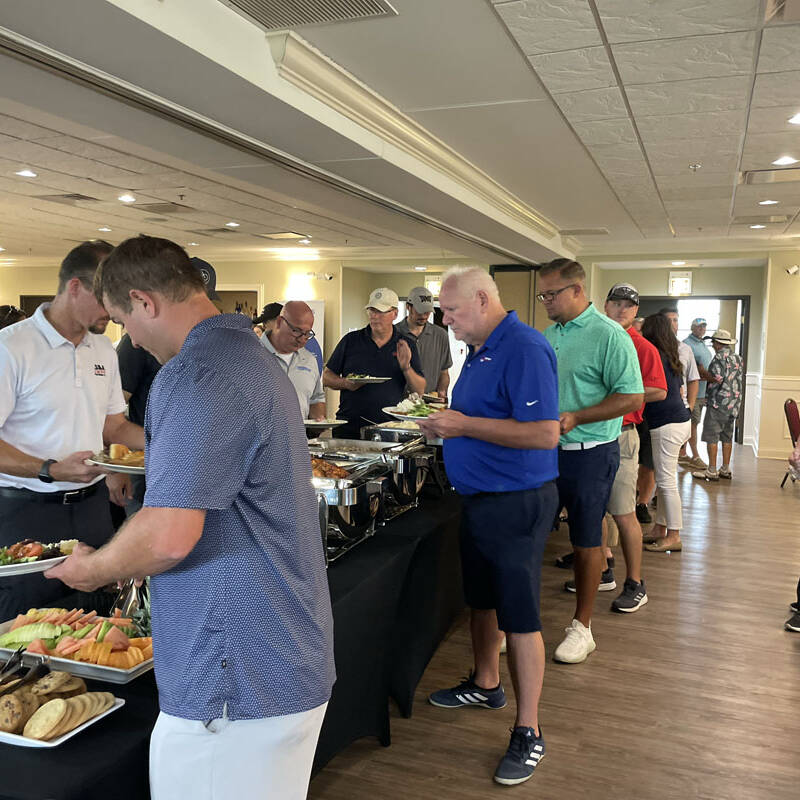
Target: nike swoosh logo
(532,403)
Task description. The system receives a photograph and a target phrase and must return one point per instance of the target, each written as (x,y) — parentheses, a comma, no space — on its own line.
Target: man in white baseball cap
(379,351)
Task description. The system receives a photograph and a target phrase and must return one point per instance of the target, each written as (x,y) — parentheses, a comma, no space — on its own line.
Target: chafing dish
(407,465)
(348,507)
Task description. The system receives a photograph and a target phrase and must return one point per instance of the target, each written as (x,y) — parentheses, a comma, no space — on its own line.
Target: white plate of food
(29,556)
(418,413)
(323,423)
(29,567)
(120,459)
(364,379)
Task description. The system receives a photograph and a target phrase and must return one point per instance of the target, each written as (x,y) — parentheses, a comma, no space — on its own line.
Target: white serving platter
(23,741)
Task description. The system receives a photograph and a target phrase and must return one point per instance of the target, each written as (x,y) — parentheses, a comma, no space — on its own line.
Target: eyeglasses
(298,333)
(548,297)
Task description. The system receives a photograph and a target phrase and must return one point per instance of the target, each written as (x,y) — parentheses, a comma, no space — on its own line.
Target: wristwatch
(44,472)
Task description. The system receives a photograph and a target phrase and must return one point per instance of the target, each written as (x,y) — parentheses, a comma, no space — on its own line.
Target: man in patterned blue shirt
(242,627)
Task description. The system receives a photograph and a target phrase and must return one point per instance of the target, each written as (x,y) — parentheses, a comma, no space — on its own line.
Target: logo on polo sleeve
(100,370)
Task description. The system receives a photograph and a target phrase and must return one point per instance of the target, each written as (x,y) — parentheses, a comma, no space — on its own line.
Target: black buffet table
(393,597)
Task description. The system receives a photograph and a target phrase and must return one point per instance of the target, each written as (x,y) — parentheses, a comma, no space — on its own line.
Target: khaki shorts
(623,492)
(697,411)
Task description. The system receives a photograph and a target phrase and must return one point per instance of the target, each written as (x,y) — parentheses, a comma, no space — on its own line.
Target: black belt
(62,498)
(629,427)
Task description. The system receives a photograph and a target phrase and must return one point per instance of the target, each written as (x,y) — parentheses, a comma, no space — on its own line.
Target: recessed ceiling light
(768,202)
(2,249)
(757,227)
(231,224)
(126,198)
(304,241)
(784,161)
(795,120)
(678,263)
(26,173)
(192,244)
(421,269)
(104,229)
(695,167)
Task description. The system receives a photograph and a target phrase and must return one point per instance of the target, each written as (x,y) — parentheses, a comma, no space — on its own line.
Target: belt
(583,445)
(629,427)
(62,498)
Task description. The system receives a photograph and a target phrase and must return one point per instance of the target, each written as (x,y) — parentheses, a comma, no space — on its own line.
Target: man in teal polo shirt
(599,381)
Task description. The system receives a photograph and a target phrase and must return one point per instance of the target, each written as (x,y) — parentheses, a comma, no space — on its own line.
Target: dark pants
(22,518)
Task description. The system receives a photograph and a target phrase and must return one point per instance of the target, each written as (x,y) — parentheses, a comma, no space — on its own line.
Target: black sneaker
(607,582)
(642,514)
(525,751)
(794,608)
(633,597)
(566,561)
(793,624)
(468,693)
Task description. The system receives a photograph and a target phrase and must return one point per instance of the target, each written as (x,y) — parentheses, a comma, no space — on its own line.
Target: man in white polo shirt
(60,401)
(287,342)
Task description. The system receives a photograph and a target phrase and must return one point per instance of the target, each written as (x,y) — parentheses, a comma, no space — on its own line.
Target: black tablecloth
(393,598)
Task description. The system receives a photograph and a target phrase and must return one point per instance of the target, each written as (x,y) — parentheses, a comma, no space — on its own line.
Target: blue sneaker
(525,751)
(468,693)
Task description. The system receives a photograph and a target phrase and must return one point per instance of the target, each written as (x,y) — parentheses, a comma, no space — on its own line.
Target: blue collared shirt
(245,619)
(513,376)
(703,356)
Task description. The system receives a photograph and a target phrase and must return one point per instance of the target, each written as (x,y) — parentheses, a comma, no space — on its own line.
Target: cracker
(51,682)
(11,712)
(45,719)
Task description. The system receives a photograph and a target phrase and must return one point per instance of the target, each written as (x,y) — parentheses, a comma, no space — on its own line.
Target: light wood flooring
(697,695)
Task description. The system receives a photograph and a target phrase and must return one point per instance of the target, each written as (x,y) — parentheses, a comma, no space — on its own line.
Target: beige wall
(727,317)
(516,291)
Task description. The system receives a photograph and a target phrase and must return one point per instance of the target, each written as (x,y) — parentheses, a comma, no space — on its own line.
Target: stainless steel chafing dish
(407,466)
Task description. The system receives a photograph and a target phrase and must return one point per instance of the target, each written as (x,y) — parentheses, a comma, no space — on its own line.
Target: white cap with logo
(383,300)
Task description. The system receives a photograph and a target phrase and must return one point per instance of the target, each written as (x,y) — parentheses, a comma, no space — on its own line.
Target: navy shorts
(503,535)
(645,446)
(585,478)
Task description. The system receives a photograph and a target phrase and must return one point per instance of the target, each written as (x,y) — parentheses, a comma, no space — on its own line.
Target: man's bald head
(297,312)
(292,327)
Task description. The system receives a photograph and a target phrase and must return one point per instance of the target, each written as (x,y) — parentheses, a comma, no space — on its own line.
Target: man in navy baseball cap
(209,277)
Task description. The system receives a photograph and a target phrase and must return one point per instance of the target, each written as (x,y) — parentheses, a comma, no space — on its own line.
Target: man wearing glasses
(599,381)
(380,351)
(287,342)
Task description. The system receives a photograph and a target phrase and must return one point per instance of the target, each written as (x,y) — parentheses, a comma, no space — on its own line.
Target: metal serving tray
(78,668)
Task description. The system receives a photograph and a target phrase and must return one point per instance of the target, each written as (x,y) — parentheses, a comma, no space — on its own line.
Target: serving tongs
(12,666)
(39,671)
(128,599)
(407,447)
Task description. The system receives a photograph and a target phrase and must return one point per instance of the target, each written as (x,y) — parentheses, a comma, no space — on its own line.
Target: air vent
(67,199)
(584,232)
(756,176)
(214,231)
(762,220)
(162,208)
(281,236)
(156,219)
(274,15)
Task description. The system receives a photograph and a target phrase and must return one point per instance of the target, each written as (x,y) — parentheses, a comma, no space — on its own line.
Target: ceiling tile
(698,179)
(780,49)
(575,70)
(592,104)
(761,149)
(773,120)
(776,89)
(786,193)
(677,165)
(606,131)
(715,56)
(620,160)
(688,230)
(691,126)
(641,20)
(695,192)
(674,156)
(11,126)
(547,26)
(687,97)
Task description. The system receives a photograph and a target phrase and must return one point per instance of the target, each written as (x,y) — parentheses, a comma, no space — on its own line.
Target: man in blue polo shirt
(499,437)
(599,381)
(380,351)
(242,627)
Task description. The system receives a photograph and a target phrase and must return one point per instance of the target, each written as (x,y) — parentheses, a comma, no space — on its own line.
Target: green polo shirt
(596,358)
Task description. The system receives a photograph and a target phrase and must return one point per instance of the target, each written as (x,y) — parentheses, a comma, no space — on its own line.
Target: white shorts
(249,759)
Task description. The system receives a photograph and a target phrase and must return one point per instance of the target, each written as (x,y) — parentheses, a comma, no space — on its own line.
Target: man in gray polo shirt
(432,341)
(286,341)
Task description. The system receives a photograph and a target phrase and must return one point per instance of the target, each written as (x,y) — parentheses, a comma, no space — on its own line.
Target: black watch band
(44,472)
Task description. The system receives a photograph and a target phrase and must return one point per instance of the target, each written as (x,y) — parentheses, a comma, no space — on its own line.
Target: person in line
(793,623)
(499,449)
(691,381)
(380,351)
(599,381)
(258,329)
(230,535)
(286,341)
(723,403)
(702,357)
(269,319)
(431,340)
(9,315)
(60,402)
(669,424)
(622,305)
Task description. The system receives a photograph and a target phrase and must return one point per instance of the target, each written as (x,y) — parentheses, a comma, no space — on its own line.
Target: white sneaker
(577,644)
(504,645)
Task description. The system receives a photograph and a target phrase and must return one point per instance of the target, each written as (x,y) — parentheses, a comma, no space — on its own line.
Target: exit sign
(680,283)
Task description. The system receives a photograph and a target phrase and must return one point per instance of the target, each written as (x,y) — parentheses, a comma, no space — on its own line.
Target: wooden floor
(697,695)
